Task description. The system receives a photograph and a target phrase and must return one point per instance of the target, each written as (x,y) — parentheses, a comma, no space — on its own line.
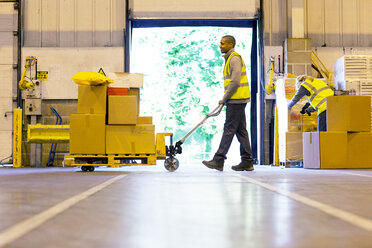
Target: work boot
(243,166)
(213,164)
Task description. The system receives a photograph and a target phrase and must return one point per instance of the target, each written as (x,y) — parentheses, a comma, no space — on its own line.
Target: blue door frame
(244,23)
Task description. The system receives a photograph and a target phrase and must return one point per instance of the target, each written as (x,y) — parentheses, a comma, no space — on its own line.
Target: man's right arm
(300,93)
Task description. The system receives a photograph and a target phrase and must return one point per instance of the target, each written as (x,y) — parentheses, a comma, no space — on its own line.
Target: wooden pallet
(292,164)
(117,160)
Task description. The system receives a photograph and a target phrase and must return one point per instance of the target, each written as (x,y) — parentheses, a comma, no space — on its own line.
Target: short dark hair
(230,39)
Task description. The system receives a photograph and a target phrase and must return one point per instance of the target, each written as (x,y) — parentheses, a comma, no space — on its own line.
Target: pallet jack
(171,163)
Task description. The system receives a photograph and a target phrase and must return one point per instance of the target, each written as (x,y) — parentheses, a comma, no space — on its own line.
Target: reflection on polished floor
(192,207)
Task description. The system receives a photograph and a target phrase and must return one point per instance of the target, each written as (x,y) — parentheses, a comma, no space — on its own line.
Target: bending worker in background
(236,97)
(315,91)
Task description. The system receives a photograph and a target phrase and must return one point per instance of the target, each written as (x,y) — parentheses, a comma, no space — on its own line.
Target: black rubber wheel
(171,164)
(91,168)
(84,168)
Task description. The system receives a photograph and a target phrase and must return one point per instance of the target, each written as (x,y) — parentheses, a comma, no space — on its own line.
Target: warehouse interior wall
(336,27)
(69,36)
(8,75)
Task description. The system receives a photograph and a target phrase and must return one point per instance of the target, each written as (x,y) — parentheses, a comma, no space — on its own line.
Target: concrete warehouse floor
(192,207)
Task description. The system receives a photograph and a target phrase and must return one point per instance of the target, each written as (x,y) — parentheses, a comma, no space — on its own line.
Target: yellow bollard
(17,138)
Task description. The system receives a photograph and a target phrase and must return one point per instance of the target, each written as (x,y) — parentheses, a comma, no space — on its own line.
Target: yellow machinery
(17,128)
(23,83)
(320,67)
(39,133)
(270,89)
(36,133)
(17,138)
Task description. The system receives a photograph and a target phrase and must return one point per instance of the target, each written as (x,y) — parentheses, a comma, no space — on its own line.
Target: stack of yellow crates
(108,122)
(348,140)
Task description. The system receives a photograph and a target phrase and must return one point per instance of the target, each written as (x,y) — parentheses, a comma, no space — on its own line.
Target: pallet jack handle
(215,112)
(171,151)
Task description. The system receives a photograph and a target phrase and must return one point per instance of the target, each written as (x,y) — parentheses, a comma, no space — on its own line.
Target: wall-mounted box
(32,106)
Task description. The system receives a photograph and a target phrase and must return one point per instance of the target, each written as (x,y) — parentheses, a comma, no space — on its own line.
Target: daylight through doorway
(183,82)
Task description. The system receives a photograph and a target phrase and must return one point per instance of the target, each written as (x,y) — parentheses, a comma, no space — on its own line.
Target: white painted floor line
(18,230)
(355,174)
(353,219)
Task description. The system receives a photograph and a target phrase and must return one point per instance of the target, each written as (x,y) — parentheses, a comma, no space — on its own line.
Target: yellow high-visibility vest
(243,91)
(319,91)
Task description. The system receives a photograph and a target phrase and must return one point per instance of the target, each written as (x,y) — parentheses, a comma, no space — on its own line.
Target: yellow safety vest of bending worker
(243,91)
(319,91)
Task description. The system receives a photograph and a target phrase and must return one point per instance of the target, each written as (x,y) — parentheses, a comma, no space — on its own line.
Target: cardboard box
(293,146)
(122,110)
(117,91)
(92,99)
(135,92)
(87,134)
(298,44)
(325,150)
(126,80)
(144,120)
(299,57)
(349,113)
(359,147)
(298,68)
(298,122)
(130,139)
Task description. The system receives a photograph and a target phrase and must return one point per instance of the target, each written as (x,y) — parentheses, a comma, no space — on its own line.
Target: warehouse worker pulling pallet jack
(236,97)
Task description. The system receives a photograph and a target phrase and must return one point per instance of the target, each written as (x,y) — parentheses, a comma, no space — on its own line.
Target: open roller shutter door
(8,75)
(196,9)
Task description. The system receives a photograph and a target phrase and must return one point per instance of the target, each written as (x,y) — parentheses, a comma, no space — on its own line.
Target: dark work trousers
(322,121)
(235,123)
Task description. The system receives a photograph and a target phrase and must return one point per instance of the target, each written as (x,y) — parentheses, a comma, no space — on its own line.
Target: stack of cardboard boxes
(297,56)
(108,121)
(348,141)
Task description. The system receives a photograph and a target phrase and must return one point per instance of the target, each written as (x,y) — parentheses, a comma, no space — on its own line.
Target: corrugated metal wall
(334,23)
(206,9)
(99,23)
(8,58)
(74,23)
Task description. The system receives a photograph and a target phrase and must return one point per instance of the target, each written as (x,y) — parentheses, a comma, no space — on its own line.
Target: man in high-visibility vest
(236,97)
(316,92)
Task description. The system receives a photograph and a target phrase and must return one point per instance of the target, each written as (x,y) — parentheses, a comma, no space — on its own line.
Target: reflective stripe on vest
(242,91)
(319,91)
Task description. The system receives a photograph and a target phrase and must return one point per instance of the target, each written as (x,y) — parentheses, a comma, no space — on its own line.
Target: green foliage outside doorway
(183,81)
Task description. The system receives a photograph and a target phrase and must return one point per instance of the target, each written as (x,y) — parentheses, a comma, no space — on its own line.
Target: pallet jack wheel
(171,164)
